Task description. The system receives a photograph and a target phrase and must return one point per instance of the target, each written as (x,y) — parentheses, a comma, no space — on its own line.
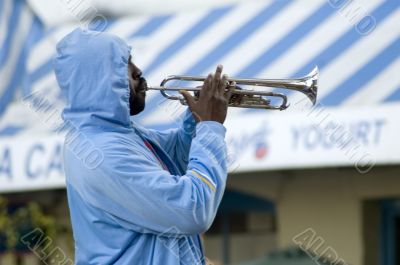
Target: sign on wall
(315,137)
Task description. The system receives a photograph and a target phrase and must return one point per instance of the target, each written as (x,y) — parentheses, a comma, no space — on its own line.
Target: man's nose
(137,71)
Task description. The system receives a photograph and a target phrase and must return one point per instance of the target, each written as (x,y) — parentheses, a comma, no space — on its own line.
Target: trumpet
(245,98)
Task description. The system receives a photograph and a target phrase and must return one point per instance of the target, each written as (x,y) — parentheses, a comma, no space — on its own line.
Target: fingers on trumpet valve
(234,99)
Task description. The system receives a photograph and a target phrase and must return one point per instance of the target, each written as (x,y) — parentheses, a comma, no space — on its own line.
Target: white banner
(361,138)
(319,137)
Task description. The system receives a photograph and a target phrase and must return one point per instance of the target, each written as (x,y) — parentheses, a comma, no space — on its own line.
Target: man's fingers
(189,99)
(228,93)
(217,79)
(191,103)
(222,86)
(205,92)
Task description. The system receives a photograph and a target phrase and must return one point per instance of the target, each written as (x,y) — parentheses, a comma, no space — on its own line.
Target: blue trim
(187,37)
(289,40)
(1,8)
(47,66)
(150,26)
(341,44)
(11,130)
(286,42)
(227,44)
(41,71)
(395,96)
(35,33)
(37,74)
(345,41)
(237,36)
(364,75)
(13,21)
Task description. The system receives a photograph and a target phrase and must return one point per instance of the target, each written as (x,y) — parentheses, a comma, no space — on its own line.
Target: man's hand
(213,100)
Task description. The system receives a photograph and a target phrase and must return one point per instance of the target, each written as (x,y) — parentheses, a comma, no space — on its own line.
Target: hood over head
(92,71)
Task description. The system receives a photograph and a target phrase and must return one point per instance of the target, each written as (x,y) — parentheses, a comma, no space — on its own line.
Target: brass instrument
(244,98)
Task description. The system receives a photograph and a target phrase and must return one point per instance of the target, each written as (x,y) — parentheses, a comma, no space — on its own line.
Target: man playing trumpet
(154,192)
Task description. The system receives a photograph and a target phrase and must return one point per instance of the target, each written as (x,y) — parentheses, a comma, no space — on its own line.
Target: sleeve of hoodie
(141,196)
(176,142)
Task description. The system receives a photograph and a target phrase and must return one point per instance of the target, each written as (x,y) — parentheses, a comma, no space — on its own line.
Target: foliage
(15,223)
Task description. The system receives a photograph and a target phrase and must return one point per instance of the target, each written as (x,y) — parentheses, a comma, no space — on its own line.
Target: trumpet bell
(311,88)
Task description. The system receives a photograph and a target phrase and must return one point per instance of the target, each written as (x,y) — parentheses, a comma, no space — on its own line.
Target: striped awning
(356,45)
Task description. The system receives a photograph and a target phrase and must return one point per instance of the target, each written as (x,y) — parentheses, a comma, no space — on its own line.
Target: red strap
(148,144)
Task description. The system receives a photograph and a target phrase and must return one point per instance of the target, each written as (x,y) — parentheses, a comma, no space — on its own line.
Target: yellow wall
(330,201)
(327,206)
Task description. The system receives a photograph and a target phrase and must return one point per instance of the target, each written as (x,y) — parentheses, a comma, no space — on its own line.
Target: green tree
(13,226)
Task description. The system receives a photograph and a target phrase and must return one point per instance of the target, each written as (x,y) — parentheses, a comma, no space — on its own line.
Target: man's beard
(137,102)
(136,105)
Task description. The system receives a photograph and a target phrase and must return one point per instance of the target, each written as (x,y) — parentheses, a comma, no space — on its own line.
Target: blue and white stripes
(273,38)
(22,31)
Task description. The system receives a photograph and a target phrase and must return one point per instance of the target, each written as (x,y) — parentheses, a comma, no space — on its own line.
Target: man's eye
(136,76)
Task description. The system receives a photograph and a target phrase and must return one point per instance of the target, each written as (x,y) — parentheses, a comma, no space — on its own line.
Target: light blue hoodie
(125,208)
